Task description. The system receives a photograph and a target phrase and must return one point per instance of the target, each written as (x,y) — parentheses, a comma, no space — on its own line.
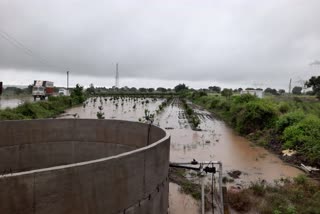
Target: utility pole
(117,77)
(290,86)
(68,82)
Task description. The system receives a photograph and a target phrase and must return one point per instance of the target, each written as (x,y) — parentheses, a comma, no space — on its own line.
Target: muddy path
(215,141)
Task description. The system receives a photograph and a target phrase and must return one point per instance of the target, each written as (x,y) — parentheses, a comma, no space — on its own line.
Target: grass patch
(43,109)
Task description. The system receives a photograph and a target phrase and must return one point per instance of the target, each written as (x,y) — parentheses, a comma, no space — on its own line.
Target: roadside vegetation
(287,196)
(279,121)
(274,123)
(44,109)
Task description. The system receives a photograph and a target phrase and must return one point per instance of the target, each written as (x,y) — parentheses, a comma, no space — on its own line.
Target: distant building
(258,93)
(63,92)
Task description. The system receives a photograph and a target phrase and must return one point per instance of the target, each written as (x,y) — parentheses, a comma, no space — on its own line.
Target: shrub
(255,115)
(244,98)
(305,137)
(300,179)
(224,105)
(214,103)
(189,111)
(240,201)
(289,119)
(9,114)
(284,107)
(258,188)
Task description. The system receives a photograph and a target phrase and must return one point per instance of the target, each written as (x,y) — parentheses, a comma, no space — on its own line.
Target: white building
(258,93)
(63,92)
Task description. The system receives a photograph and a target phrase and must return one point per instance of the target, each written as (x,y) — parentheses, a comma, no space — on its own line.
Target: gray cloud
(211,40)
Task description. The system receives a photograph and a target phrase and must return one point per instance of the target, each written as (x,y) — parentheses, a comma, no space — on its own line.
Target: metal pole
(202,195)
(212,189)
(220,186)
(67,80)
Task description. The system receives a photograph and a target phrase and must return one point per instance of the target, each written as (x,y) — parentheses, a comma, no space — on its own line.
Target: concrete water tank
(83,166)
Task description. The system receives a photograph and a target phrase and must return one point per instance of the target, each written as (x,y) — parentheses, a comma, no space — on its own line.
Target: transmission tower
(117,77)
(290,86)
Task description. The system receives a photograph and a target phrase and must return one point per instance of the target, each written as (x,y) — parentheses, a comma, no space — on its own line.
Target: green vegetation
(291,122)
(314,82)
(300,195)
(44,109)
(188,185)
(192,117)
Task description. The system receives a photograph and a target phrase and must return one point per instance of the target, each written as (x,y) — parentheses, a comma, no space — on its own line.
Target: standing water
(215,141)
(12,102)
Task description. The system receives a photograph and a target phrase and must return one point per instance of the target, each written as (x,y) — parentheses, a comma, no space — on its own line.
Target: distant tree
(150,90)
(204,90)
(142,89)
(28,90)
(281,91)
(12,90)
(310,93)
(296,90)
(133,89)
(77,94)
(314,82)
(271,91)
(125,88)
(180,88)
(240,89)
(160,89)
(226,92)
(249,88)
(259,89)
(90,90)
(215,89)
(18,91)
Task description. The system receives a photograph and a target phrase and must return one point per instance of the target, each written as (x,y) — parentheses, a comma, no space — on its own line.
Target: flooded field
(12,102)
(215,141)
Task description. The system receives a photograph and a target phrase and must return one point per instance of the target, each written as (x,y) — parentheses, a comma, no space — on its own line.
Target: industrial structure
(83,166)
(254,92)
(117,77)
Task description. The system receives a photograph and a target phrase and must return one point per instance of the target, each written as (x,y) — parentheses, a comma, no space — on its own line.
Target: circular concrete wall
(83,166)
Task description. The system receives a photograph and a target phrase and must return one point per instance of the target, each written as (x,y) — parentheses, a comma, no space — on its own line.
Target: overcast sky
(235,43)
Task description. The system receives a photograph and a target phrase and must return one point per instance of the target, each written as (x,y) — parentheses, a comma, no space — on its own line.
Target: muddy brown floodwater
(215,141)
(12,102)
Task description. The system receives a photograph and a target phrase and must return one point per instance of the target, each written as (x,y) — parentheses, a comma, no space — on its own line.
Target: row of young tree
(313,83)
(297,90)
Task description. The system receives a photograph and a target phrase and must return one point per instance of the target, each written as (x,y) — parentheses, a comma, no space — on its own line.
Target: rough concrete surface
(78,166)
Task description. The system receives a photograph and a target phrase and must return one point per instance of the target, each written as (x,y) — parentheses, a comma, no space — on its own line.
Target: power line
(9,38)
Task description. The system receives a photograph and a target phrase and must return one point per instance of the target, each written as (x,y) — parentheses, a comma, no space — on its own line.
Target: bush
(224,105)
(289,119)
(305,137)
(42,109)
(254,115)
(9,114)
(300,179)
(240,201)
(284,107)
(214,103)
(244,98)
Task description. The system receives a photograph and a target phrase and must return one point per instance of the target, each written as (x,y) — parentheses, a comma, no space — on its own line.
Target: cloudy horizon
(160,43)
